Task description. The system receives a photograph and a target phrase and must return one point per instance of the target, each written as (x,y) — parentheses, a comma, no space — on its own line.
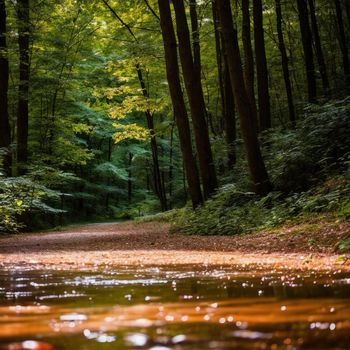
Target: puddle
(173,308)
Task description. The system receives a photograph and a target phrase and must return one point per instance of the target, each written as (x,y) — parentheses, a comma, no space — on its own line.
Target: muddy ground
(305,246)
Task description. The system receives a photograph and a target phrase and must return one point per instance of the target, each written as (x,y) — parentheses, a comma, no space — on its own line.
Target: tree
(5,130)
(261,68)
(227,98)
(306,38)
(285,64)
(246,113)
(179,107)
(195,37)
(343,41)
(249,70)
(157,178)
(318,47)
(23,88)
(196,101)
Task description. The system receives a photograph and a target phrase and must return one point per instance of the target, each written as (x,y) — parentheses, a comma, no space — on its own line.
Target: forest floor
(303,245)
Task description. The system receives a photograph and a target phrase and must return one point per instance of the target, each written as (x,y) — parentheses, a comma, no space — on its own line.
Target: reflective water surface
(173,308)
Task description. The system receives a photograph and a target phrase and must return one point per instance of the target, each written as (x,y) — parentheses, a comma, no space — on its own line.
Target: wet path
(173,308)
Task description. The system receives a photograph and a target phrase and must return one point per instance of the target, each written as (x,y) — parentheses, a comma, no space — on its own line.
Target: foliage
(310,167)
(317,147)
(89,137)
(22,196)
(344,245)
(232,212)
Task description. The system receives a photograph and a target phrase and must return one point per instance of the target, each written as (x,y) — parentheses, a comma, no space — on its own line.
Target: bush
(310,170)
(20,196)
(319,146)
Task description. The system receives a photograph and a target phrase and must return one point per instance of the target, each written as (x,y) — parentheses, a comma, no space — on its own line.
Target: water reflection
(184,308)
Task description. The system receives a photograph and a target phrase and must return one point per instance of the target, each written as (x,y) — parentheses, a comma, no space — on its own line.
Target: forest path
(135,244)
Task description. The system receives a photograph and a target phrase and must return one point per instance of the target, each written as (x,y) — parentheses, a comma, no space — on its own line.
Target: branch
(151,9)
(120,19)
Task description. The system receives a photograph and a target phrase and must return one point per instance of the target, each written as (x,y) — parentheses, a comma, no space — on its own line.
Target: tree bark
(23,89)
(347,6)
(158,183)
(261,68)
(180,112)
(342,41)
(306,38)
(229,116)
(130,178)
(318,47)
(248,53)
(285,63)
(195,37)
(5,129)
(227,98)
(196,101)
(256,164)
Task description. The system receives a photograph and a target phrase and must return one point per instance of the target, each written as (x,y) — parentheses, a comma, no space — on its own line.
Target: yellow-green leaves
(81,128)
(130,131)
(19,202)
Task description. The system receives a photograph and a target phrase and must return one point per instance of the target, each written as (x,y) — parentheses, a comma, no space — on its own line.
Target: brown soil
(306,246)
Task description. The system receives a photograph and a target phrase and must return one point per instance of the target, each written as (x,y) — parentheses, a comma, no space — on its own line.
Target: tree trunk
(248,53)
(180,112)
(343,42)
(5,129)
(227,98)
(261,68)
(130,178)
(246,113)
(318,47)
(229,116)
(196,101)
(347,5)
(306,39)
(285,63)
(157,179)
(195,37)
(23,89)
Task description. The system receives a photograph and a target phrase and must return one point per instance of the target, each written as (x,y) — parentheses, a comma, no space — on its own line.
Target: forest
(224,116)
(174,174)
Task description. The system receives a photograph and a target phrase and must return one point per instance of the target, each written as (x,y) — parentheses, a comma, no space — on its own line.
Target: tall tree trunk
(158,183)
(130,178)
(306,38)
(171,165)
(229,116)
(261,68)
(285,63)
(5,129)
(248,53)
(196,101)
(347,6)
(318,47)
(246,113)
(195,37)
(180,112)
(23,89)
(342,40)
(227,98)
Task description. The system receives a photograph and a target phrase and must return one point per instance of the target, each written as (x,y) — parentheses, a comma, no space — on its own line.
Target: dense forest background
(116,109)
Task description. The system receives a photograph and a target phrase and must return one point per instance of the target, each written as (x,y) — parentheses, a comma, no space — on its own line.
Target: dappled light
(174,174)
(175,308)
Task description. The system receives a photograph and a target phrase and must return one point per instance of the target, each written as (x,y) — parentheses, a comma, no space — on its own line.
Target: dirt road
(151,244)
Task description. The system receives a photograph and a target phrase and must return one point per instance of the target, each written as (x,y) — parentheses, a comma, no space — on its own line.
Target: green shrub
(21,196)
(319,146)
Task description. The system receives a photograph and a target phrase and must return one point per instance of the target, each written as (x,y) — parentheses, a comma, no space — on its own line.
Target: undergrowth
(310,170)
